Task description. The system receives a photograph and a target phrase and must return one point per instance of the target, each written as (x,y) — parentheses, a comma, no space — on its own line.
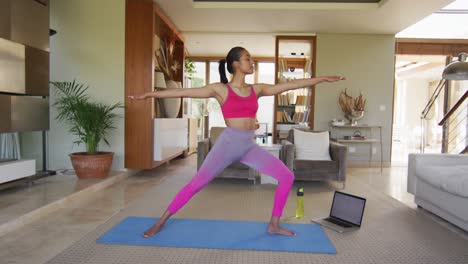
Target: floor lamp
(44,172)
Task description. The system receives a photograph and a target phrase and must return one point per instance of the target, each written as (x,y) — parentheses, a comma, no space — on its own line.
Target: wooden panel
(425,48)
(139,28)
(37,72)
(30,23)
(171,29)
(12,64)
(5,19)
(5,113)
(23,113)
(297,63)
(312,96)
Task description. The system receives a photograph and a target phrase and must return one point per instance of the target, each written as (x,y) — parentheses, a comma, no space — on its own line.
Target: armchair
(235,170)
(315,170)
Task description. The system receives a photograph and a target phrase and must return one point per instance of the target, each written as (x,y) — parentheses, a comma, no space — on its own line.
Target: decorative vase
(159,80)
(171,105)
(354,116)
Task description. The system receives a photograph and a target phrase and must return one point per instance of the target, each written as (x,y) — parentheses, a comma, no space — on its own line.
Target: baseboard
(365,164)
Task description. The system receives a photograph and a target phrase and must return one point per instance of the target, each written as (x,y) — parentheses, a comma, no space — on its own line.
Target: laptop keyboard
(337,222)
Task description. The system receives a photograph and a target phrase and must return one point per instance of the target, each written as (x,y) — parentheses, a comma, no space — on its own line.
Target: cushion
(316,165)
(215,132)
(452,179)
(312,145)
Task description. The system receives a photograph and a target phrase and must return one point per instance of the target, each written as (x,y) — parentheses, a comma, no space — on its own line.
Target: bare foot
(278,230)
(153,230)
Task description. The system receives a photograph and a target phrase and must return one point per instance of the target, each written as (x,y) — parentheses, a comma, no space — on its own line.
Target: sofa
(315,170)
(439,183)
(235,170)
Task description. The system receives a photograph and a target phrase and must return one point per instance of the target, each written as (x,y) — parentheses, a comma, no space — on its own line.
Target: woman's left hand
(332,78)
(137,97)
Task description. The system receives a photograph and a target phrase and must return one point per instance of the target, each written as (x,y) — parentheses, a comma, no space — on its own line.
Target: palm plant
(89,121)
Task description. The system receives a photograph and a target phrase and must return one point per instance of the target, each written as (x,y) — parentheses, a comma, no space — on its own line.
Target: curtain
(9,146)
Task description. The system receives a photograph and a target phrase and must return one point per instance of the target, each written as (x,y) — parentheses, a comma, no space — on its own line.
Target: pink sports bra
(237,106)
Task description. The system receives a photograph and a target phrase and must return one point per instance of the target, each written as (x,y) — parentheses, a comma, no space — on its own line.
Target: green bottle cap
(300,191)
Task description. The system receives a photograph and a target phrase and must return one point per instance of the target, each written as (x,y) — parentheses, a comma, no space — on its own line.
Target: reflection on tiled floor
(46,237)
(17,201)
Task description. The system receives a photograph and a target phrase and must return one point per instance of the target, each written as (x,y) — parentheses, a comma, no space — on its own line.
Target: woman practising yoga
(239,105)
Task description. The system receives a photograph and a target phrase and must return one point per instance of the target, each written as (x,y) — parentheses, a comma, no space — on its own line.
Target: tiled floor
(46,237)
(25,198)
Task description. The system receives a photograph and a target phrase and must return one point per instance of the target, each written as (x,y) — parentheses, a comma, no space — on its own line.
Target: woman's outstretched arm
(203,92)
(268,89)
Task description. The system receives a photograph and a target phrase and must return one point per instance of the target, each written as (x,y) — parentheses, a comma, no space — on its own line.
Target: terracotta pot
(91,165)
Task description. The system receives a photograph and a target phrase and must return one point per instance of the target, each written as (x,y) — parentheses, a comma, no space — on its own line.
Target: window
(264,73)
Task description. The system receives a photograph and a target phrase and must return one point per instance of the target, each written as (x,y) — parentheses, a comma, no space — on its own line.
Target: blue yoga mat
(218,234)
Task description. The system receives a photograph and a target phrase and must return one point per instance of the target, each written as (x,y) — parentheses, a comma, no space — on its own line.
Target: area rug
(391,232)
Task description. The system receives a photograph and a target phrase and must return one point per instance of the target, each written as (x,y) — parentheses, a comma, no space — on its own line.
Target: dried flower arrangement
(164,57)
(349,104)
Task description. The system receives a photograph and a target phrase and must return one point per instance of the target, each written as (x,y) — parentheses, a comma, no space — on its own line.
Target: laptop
(346,213)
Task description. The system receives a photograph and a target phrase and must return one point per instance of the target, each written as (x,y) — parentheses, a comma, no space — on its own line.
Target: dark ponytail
(222,71)
(233,55)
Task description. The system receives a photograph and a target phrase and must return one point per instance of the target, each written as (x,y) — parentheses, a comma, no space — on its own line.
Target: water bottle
(300,203)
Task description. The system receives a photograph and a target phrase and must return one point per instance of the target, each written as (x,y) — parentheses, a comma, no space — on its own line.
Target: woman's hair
(233,55)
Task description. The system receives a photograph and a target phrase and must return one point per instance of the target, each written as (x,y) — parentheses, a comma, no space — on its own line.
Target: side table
(370,140)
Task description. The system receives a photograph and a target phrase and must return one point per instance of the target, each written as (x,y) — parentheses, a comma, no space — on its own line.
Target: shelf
(335,133)
(358,126)
(358,140)
(297,104)
(297,63)
(142,138)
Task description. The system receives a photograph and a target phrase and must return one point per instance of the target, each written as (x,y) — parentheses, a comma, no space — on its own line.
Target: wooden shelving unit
(143,21)
(288,110)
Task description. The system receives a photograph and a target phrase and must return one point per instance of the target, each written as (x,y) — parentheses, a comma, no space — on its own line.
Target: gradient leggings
(231,146)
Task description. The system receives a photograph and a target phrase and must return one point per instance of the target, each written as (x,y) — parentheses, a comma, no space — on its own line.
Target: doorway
(416,78)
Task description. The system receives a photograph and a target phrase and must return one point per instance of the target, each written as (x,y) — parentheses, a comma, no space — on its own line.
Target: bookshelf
(295,59)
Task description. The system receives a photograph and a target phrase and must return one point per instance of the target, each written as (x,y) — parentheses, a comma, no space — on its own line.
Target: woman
(239,105)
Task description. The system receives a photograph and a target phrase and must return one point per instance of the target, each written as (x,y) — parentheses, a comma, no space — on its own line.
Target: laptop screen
(348,207)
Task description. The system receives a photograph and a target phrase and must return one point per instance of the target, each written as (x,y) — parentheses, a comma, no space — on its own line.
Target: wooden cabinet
(25,22)
(295,59)
(170,138)
(145,24)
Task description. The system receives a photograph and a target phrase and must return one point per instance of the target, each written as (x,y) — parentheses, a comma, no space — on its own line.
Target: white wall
(413,96)
(89,47)
(367,61)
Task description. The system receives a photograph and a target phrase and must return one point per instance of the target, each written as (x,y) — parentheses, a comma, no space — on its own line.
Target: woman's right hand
(137,97)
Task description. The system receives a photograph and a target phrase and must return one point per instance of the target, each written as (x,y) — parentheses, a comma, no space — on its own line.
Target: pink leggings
(231,146)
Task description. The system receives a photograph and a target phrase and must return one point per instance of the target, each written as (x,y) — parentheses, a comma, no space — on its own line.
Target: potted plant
(89,122)
(189,68)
